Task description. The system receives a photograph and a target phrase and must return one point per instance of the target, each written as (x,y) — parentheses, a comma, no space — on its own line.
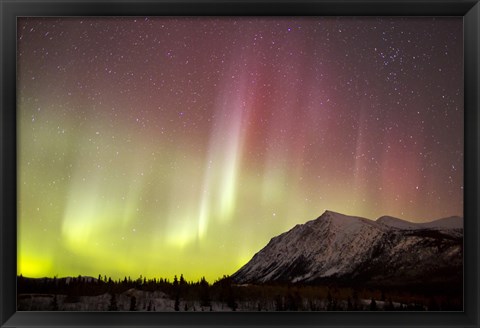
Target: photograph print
(198,164)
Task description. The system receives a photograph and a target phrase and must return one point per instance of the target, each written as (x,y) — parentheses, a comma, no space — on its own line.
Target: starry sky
(161,146)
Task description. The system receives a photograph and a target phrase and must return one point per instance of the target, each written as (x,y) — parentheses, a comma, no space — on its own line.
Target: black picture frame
(10,10)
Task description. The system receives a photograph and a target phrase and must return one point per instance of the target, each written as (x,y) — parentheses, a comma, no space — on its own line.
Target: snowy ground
(153,301)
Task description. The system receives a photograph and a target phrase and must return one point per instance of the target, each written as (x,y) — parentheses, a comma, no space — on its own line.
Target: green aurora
(168,146)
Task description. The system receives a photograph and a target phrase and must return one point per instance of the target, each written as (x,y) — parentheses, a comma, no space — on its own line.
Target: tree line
(281,297)
(178,289)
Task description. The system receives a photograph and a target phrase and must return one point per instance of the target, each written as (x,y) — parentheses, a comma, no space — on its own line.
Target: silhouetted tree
(133,303)
(204,293)
(349,305)
(279,303)
(226,292)
(175,281)
(54,304)
(231,303)
(138,282)
(331,302)
(293,301)
(177,304)
(113,303)
(355,300)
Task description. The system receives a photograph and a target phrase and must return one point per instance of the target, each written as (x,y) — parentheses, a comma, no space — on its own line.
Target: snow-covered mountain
(347,248)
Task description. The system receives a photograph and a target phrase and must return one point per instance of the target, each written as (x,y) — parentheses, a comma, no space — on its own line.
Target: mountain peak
(453,222)
(343,220)
(335,214)
(396,223)
(329,212)
(339,245)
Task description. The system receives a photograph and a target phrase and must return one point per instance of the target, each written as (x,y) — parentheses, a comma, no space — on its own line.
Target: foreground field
(89,294)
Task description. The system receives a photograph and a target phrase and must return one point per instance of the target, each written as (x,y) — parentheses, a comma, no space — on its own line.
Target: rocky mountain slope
(353,250)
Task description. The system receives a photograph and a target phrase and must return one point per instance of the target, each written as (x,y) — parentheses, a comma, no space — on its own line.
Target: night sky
(163,146)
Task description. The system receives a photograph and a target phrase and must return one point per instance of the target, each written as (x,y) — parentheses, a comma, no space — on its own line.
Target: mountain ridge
(343,247)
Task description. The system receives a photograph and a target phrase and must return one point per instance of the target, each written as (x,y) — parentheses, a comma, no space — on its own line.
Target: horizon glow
(161,146)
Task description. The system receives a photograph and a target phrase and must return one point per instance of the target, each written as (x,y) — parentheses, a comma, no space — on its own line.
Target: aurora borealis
(163,146)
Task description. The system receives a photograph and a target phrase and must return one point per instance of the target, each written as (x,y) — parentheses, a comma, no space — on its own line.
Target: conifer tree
(204,293)
(349,305)
(54,304)
(133,303)
(177,304)
(113,303)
